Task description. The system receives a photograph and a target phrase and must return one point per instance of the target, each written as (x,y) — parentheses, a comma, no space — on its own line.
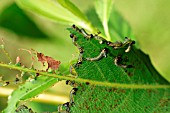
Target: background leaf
(29,90)
(118,27)
(72,8)
(103,9)
(62,11)
(91,98)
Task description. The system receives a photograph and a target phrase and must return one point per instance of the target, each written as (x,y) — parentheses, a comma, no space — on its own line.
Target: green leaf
(100,98)
(29,90)
(72,8)
(103,8)
(118,27)
(63,12)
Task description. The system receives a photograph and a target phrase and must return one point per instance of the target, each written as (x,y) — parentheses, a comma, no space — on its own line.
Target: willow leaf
(92,98)
(74,10)
(63,12)
(29,90)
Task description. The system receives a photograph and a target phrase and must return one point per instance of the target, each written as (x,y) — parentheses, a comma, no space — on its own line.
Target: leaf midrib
(92,82)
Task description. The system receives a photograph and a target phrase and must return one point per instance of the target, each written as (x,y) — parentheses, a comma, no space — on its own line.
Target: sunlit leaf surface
(61,11)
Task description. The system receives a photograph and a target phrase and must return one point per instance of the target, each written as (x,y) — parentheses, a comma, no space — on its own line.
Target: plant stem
(91,82)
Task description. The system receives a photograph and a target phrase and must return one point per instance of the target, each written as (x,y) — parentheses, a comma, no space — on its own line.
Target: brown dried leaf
(53,64)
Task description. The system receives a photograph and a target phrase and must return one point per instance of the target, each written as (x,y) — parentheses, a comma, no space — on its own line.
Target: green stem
(91,82)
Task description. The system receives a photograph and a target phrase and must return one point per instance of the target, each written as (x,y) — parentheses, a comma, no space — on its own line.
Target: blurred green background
(149,20)
(150,23)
